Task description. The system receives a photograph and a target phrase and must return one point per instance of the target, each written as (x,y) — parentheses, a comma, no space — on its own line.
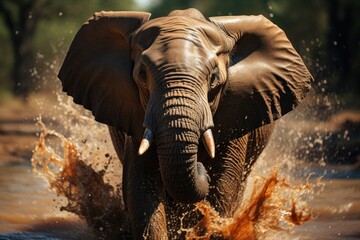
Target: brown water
(28,210)
(27,207)
(273,206)
(84,175)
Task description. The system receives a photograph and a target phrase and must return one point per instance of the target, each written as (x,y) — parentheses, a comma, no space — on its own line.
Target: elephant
(190,103)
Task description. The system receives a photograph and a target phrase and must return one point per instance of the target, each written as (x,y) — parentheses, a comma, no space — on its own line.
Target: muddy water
(28,210)
(287,201)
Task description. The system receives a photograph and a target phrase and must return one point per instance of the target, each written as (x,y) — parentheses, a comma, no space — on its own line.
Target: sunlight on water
(83,168)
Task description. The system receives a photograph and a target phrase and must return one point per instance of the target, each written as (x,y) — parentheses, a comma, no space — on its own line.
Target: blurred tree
(343,39)
(325,32)
(212,7)
(22,19)
(165,7)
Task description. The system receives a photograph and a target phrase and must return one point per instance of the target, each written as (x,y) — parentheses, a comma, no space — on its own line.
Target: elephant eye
(214,78)
(143,74)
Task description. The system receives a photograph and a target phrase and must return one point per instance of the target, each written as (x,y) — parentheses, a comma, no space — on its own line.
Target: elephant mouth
(182,164)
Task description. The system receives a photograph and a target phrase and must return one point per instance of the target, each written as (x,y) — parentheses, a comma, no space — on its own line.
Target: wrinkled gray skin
(179,76)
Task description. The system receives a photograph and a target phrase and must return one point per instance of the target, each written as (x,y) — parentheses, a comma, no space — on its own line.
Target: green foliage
(56,23)
(325,32)
(6,59)
(212,7)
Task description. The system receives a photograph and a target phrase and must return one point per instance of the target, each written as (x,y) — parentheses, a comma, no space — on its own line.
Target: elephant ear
(97,70)
(266,78)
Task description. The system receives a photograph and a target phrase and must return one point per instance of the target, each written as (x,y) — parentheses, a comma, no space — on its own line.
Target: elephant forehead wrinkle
(174,62)
(185,36)
(180,44)
(179,80)
(198,31)
(176,67)
(165,27)
(178,34)
(182,52)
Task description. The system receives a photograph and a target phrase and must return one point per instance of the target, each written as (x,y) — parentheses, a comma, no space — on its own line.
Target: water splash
(79,165)
(89,194)
(274,206)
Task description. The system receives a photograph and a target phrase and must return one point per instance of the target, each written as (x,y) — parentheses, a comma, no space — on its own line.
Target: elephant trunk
(178,134)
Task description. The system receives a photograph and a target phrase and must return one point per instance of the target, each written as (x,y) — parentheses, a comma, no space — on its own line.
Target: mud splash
(89,195)
(273,206)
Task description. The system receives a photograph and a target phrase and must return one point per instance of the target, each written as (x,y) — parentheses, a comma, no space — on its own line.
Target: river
(30,210)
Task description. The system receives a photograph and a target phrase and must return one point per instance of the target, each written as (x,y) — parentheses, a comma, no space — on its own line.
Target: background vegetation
(35,34)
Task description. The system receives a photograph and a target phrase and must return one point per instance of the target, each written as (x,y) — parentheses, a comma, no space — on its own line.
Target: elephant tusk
(208,141)
(146,141)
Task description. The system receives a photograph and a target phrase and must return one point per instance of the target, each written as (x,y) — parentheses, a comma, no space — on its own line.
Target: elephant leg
(141,189)
(234,163)
(227,173)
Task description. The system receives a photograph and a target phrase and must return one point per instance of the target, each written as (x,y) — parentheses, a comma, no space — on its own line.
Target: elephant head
(170,80)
